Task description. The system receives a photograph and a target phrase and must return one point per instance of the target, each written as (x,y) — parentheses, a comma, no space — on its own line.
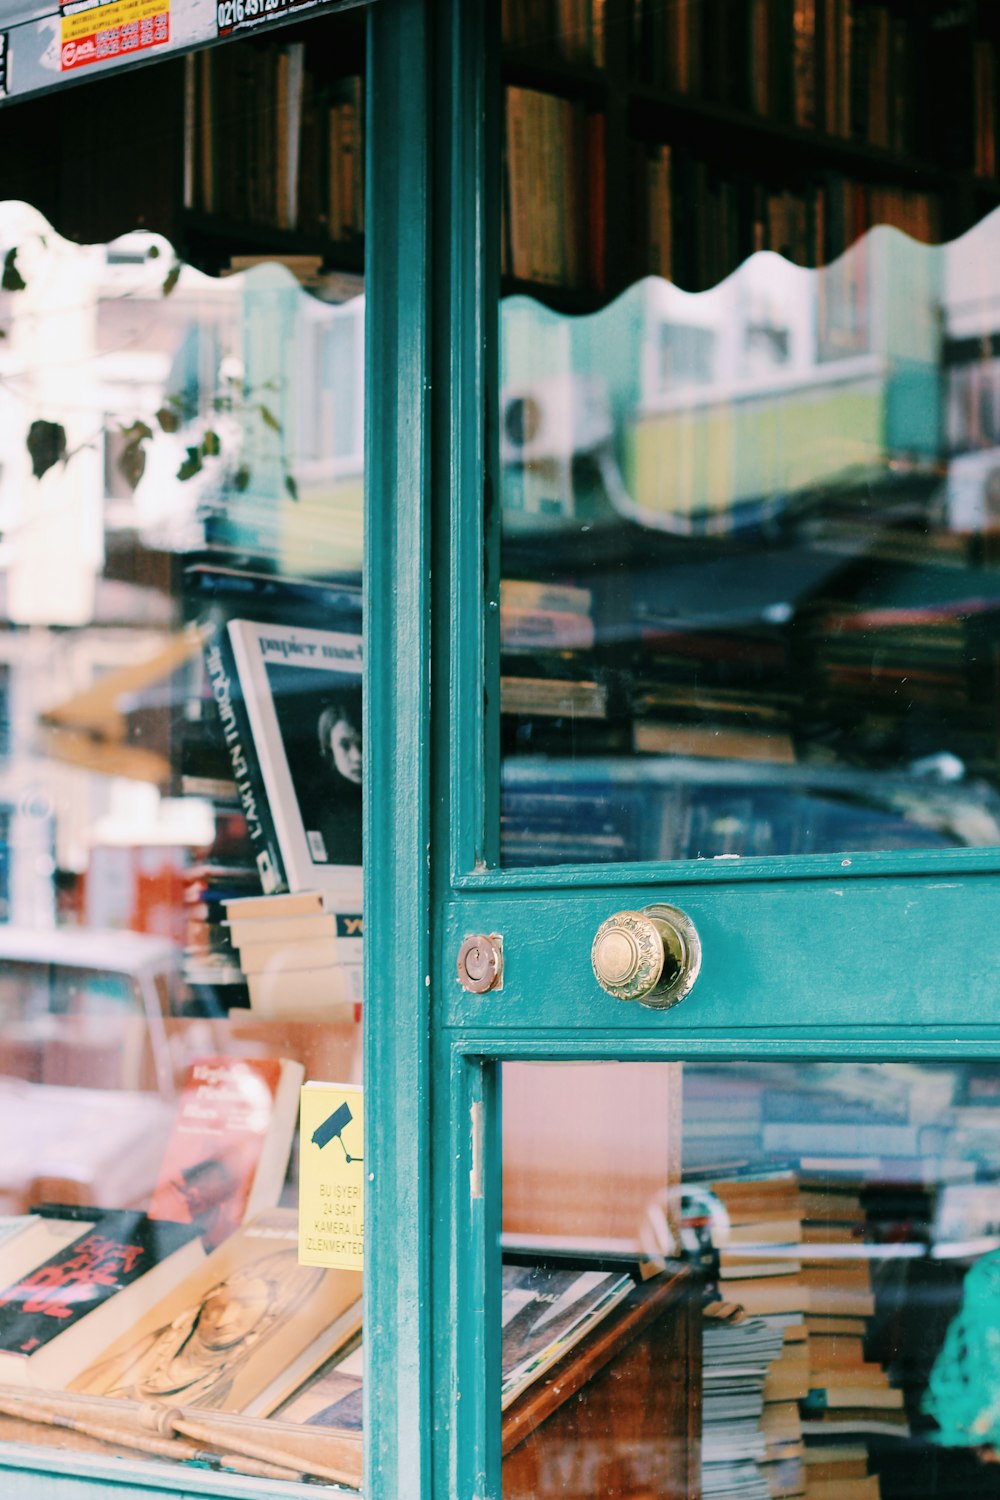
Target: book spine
(224,682)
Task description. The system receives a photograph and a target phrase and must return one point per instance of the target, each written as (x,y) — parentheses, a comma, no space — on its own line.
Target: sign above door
(43,45)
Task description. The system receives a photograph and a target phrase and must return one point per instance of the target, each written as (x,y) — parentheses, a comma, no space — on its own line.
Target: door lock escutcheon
(480,963)
(652,955)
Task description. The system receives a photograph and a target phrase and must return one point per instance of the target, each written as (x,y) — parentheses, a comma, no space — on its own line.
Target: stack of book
(211,968)
(760,1268)
(717,693)
(300,956)
(883,678)
(850,1401)
(541,616)
(737,1352)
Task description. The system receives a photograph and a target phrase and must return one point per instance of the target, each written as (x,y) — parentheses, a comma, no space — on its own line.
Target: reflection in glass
(751,600)
(810,1257)
(180,476)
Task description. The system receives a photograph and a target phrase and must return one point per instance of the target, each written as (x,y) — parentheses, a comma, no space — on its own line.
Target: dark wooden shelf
(564,299)
(531,69)
(233,236)
(652,109)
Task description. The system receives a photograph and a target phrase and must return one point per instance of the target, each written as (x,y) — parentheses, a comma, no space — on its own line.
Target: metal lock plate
(480,963)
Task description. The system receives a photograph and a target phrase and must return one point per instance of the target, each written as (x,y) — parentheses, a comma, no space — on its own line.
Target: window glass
(749,430)
(749,1279)
(181,484)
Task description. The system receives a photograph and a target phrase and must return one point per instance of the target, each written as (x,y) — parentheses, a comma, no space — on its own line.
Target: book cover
(56,1316)
(545,1311)
(219,1338)
(33,1238)
(332,1397)
(228,1151)
(302,691)
(234,723)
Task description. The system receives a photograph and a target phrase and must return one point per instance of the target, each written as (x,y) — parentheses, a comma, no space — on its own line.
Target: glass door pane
(749,1279)
(749,430)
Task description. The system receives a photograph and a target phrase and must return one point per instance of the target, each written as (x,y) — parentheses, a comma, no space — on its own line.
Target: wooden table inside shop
(619,1417)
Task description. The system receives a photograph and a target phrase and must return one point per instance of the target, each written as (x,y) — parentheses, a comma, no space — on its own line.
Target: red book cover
(228,1151)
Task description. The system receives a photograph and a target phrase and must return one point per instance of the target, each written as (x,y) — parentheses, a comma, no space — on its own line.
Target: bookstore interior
(741,263)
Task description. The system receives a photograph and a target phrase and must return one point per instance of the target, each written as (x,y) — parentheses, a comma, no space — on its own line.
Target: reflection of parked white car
(86,1074)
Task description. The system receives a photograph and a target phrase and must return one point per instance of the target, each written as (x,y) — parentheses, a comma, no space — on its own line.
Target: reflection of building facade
(720,410)
(218,412)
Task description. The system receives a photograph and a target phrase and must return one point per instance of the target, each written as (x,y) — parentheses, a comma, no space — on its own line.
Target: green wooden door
(889,953)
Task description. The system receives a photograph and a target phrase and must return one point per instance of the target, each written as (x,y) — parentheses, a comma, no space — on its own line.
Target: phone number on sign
(232,14)
(115,41)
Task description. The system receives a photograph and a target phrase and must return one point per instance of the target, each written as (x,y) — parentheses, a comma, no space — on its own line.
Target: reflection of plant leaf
(291,486)
(138,432)
(241,479)
(210,445)
(153,252)
(47,446)
(191,465)
(12,280)
(172,278)
(168,419)
(132,463)
(268,418)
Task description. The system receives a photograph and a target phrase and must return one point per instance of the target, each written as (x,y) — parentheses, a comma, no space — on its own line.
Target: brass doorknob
(652,955)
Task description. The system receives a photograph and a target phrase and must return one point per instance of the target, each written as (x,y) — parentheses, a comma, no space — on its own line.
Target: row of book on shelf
(843,67)
(696,218)
(848,69)
(699,221)
(573,30)
(270,144)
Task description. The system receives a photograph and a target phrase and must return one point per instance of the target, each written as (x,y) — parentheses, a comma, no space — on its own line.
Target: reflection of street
(775,500)
(173,419)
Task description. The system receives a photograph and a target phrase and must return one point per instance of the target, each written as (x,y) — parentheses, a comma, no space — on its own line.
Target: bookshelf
(255,147)
(892,105)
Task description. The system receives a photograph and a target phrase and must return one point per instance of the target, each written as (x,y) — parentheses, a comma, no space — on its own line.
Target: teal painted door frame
(875,956)
(889,956)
